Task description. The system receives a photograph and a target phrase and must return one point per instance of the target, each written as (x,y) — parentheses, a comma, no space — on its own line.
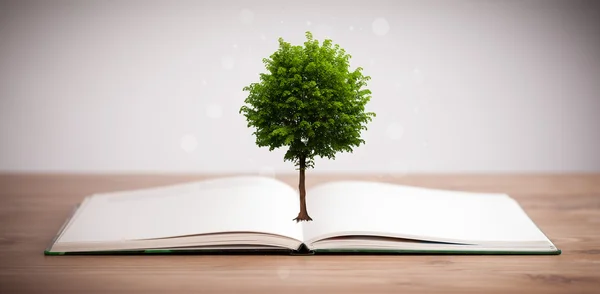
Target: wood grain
(565,207)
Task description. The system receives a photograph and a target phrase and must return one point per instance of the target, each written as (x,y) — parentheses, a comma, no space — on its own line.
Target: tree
(310,101)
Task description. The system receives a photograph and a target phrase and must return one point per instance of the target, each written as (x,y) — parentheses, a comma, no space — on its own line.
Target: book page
(235,204)
(384,209)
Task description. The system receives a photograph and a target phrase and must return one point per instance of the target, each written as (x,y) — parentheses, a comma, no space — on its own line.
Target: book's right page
(388,210)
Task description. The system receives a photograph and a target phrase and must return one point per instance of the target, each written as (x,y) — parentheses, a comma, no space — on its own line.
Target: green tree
(310,101)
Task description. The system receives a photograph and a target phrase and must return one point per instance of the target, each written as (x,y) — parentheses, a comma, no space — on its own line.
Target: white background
(155,86)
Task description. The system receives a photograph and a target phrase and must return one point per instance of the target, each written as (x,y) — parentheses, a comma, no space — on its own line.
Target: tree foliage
(309,100)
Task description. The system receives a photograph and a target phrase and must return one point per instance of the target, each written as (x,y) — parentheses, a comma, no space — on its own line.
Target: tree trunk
(303,215)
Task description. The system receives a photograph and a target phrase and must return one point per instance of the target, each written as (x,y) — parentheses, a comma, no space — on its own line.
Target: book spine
(303,250)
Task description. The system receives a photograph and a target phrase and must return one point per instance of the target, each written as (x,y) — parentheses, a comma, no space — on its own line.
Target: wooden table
(566,208)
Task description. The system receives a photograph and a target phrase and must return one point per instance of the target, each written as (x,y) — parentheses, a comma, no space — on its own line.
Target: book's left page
(223,205)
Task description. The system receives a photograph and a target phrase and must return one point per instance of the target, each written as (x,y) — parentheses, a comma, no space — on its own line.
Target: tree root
(303,216)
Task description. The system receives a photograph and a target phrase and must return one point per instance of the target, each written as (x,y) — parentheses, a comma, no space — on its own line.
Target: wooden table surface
(565,207)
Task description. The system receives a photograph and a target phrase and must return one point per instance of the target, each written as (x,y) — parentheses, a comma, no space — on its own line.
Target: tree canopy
(309,100)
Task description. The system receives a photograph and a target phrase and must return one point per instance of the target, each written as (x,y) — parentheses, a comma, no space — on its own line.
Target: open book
(255,214)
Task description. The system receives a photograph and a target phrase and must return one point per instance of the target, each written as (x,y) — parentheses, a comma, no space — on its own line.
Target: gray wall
(155,86)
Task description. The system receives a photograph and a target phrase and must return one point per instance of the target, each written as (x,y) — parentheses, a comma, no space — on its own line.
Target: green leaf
(308,100)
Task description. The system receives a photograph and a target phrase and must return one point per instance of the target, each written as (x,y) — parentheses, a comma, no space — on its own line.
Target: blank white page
(249,204)
(386,209)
